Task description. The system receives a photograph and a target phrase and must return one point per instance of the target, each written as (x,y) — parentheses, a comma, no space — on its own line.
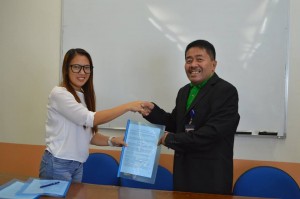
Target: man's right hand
(146,108)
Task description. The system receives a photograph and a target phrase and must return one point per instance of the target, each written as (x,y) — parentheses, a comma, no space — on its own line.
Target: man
(202,125)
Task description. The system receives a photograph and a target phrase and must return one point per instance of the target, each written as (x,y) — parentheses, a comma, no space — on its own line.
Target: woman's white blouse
(68,126)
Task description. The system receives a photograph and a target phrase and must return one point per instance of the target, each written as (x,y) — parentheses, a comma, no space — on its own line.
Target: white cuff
(90,119)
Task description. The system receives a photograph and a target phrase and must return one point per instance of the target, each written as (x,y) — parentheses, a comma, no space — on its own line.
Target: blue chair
(101,168)
(266,181)
(163,181)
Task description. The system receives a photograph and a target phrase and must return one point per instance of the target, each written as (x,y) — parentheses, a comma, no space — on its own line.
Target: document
(34,188)
(139,160)
(10,189)
(56,188)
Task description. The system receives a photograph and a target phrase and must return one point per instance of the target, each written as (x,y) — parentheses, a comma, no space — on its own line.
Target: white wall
(30,53)
(30,65)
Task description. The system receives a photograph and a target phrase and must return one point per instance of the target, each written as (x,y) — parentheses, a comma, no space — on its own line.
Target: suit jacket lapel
(203,91)
(183,101)
(182,112)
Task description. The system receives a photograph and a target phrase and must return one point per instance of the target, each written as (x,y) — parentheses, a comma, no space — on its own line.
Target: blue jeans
(60,169)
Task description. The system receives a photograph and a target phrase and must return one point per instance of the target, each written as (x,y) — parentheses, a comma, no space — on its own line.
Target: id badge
(189,127)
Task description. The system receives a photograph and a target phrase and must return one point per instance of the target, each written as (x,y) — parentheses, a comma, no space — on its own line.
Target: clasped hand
(146,108)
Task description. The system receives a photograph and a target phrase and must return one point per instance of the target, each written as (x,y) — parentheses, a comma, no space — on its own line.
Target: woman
(72,121)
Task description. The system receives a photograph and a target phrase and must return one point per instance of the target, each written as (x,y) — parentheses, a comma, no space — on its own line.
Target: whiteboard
(138,48)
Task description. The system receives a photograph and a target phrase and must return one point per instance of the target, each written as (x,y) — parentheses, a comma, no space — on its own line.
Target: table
(91,191)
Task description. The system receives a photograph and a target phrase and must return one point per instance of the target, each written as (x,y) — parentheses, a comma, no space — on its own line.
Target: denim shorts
(60,169)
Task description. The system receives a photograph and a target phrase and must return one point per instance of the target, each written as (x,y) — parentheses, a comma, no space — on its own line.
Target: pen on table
(47,185)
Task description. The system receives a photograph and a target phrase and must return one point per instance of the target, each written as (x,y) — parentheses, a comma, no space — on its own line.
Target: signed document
(139,160)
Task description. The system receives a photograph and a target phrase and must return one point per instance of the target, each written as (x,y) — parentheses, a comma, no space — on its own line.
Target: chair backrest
(163,181)
(101,168)
(266,181)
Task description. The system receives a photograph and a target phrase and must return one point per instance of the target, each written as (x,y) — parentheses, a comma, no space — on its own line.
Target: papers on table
(32,188)
(10,189)
(139,160)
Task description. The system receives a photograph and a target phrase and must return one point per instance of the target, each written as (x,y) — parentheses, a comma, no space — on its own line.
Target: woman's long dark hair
(88,87)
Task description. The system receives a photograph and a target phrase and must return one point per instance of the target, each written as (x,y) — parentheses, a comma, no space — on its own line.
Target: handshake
(143,107)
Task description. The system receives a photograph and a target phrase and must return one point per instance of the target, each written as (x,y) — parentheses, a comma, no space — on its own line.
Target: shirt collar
(201,84)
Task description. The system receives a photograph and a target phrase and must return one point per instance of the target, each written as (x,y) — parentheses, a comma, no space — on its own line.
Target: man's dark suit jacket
(203,159)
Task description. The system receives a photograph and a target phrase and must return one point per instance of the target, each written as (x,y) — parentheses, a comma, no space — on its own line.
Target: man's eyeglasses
(76,68)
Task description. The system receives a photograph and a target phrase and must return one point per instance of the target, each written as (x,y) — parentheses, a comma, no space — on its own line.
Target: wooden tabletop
(91,191)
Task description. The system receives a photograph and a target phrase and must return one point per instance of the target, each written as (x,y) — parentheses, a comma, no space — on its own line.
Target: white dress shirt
(68,126)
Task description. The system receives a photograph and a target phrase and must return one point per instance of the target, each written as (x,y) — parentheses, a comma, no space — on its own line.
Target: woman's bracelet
(109,142)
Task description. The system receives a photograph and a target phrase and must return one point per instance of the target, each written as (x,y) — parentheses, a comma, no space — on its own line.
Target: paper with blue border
(10,189)
(33,186)
(139,160)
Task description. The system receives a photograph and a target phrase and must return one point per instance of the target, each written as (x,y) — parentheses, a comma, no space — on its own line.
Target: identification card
(189,127)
